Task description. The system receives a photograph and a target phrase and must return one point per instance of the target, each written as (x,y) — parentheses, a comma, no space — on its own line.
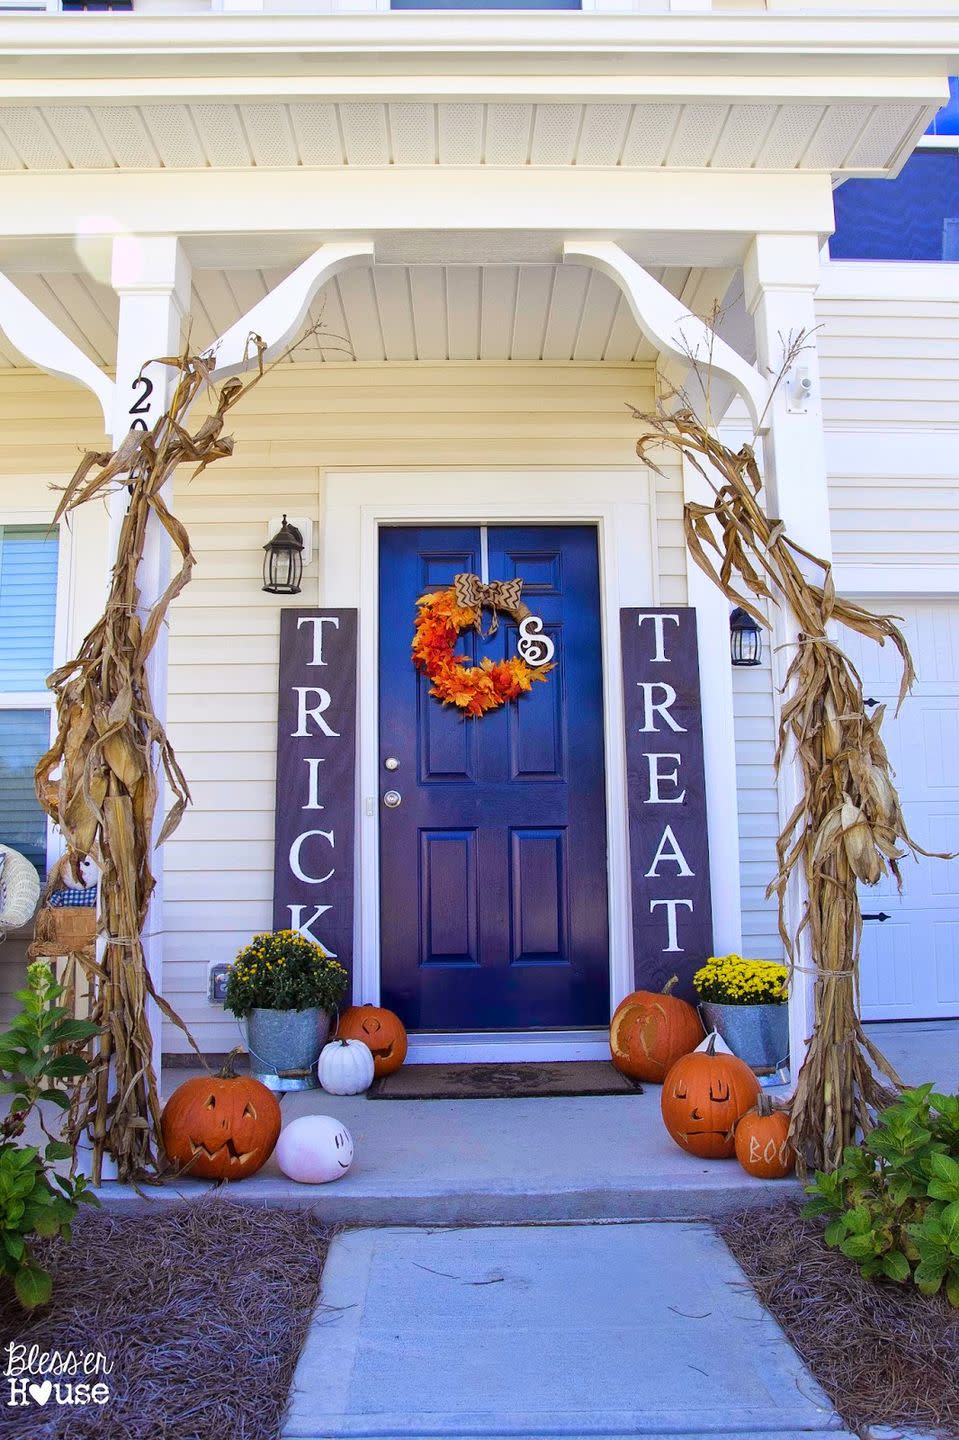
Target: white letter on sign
(295,865)
(318,621)
(653,758)
(316,711)
(671,934)
(303,926)
(658,622)
(662,708)
(314,762)
(672,853)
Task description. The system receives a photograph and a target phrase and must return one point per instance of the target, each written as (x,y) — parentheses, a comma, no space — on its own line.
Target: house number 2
(141,405)
(533,646)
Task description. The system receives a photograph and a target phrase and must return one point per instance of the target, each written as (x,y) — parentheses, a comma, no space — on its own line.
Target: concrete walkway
(585,1330)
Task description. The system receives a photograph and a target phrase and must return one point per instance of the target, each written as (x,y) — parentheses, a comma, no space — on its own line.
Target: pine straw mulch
(884,1354)
(202,1308)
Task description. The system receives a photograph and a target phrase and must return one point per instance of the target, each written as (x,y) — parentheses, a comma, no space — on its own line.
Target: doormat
(526,1080)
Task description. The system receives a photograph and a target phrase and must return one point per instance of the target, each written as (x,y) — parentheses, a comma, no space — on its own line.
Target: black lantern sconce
(745,638)
(283,561)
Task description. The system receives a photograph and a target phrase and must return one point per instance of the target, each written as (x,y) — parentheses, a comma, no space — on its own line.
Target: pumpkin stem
(766,1106)
(669,984)
(229,1068)
(711,1043)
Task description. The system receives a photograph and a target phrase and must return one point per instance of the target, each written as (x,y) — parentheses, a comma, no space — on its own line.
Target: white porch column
(151,275)
(781,277)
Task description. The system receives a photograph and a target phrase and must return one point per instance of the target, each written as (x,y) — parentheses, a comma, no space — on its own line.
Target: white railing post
(781,277)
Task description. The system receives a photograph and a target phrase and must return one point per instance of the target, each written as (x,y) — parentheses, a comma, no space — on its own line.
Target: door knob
(391,799)
(391,763)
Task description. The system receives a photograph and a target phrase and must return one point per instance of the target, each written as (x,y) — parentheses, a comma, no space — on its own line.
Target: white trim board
(915,579)
(621,504)
(880,280)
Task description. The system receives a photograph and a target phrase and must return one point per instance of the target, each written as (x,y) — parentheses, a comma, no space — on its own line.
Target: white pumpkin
(314,1149)
(345,1067)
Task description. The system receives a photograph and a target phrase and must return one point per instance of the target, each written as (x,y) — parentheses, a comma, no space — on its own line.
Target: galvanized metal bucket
(758,1034)
(285,1045)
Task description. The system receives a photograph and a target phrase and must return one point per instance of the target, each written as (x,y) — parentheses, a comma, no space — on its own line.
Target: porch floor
(563,1158)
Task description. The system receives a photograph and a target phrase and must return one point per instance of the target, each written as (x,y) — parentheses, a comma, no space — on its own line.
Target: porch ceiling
(841,138)
(391,312)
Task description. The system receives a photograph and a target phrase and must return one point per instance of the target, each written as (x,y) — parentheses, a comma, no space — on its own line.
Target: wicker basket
(65,930)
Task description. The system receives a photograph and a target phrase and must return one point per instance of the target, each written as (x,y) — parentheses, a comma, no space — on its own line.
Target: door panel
(493,889)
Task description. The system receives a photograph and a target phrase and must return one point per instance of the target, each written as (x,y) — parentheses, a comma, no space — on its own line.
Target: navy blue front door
(493,865)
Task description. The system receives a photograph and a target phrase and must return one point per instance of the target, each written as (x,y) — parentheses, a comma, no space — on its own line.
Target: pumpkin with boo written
(314,1149)
(704,1095)
(762,1142)
(381,1030)
(220,1127)
(345,1067)
(649,1032)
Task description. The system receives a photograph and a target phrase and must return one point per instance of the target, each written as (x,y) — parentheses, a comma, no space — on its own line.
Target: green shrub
(34,1200)
(284,971)
(895,1198)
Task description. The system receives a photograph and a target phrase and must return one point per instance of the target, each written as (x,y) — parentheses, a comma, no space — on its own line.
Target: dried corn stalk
(108,749)
(848,827)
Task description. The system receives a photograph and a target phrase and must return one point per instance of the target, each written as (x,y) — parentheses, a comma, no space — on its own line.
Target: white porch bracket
(671,327)
(278,317)
(39,341)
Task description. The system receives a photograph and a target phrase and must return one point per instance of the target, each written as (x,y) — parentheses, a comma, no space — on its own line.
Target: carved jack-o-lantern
(220,1127)
(762,1142)
(381,1030)
(649,1032)
(704,1095)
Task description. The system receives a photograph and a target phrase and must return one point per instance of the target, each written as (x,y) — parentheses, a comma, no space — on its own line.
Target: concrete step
(448,1162)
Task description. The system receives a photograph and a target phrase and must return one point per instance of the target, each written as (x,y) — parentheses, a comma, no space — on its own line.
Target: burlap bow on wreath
(472,594)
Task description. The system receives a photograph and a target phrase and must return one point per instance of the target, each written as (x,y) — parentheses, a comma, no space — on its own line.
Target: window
(915,216)
(28,606)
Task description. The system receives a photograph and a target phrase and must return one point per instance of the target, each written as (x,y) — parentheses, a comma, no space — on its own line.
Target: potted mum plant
(287,989)
(746,1002)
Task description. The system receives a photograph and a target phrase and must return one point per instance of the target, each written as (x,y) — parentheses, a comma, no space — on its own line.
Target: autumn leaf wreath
(474,689)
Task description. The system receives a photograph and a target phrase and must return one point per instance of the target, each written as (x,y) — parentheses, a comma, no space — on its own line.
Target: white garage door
(910,960)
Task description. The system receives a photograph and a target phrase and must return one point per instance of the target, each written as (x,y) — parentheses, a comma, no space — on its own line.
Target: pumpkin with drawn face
(381,1030)
(704,1096)
(220,1127)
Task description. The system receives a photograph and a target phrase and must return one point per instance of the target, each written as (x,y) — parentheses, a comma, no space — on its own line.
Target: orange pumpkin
(704,1095)
(762,1141)
(649,1032)
(381,1030)
(220,1127)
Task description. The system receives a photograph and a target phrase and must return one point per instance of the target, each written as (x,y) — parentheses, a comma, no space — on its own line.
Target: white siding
(754,719)
(889,346)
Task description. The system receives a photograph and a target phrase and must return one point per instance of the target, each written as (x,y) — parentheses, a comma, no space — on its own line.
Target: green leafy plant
(894,1200)
(37,1051)
(284,971)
